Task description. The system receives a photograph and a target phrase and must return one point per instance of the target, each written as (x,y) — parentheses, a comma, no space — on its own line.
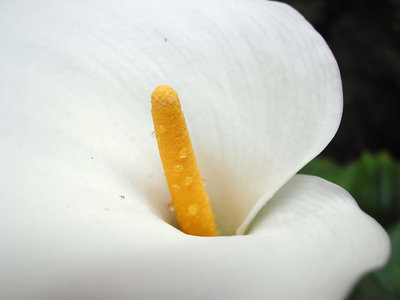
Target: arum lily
(84,204)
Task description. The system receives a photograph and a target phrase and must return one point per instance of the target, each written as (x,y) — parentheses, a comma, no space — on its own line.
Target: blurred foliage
(374,181)
(383,284)
(389,277)
(364,36)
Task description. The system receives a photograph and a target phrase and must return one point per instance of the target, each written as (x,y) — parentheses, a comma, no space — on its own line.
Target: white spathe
(83,210)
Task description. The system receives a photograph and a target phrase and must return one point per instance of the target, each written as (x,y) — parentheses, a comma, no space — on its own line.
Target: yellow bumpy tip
(189,198)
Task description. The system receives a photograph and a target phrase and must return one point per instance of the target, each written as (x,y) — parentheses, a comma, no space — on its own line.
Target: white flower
(83,210)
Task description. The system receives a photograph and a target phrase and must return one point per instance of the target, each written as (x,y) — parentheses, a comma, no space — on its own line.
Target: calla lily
(83,199)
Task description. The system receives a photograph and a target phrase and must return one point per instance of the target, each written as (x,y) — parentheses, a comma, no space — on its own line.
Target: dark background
(364,36)
(363,157)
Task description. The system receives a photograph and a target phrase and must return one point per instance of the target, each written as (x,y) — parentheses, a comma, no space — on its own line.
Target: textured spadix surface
(83,199)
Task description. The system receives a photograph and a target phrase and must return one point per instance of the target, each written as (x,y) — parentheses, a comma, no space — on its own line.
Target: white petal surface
(311,241)
(260,89)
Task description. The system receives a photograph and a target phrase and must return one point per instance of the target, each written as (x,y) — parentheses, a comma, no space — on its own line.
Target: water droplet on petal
(188,181)
(177,168)
(171,207)
(193,208)
(160,129)
(175,188)
(183,153)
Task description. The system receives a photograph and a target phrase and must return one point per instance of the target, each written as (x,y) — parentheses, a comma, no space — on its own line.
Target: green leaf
(383,284)
(389,277)
(369,288)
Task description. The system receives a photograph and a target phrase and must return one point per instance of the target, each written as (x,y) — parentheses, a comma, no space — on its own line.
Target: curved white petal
(260,89)
(311,241)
